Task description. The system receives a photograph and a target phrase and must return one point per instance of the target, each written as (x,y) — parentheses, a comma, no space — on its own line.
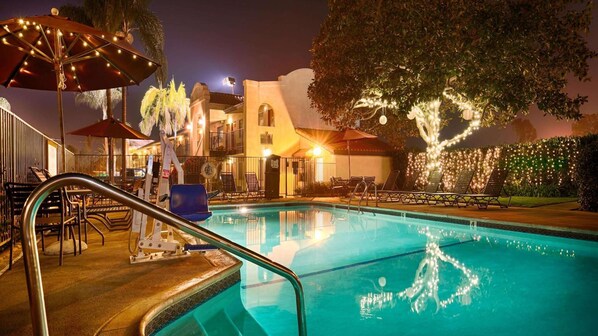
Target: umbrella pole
(123,173)
(349,156)
(110,143)
(60,116)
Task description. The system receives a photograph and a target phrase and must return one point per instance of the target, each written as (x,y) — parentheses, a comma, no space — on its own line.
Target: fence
(296,174)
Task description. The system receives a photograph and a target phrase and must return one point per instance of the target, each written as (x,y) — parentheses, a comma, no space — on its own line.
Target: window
(265,115)
(266,139)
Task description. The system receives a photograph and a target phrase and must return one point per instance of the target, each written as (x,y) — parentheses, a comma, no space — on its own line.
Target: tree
(588,124)
(166,108)
(525,131)
(122,17)
(97,99)
(431,60)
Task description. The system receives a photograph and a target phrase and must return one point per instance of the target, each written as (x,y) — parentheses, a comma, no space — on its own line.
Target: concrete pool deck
(100,293)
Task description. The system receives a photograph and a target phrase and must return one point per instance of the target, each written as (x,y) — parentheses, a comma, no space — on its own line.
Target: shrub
(587,175)
(315,189)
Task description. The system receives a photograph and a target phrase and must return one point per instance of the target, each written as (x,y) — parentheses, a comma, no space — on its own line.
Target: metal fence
(297,175)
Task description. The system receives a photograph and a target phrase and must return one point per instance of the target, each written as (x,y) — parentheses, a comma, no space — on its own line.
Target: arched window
(265,115)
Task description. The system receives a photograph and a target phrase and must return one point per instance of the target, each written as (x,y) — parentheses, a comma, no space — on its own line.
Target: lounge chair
(408,187)
(450,198)
(253,186)
(492,191)
(432,186)
(52,215)
(339,186)
(389,186)
(229,187)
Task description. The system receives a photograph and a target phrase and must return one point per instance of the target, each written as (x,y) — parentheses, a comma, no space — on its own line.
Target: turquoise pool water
(366,274)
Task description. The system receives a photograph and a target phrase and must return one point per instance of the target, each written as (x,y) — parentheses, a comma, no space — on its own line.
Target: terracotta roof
(225,98)
(333,142)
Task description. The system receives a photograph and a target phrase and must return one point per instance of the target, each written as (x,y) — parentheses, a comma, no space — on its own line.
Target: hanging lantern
(383,120)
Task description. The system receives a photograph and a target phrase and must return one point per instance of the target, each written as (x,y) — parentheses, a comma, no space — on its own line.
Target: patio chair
(493,189)
(389,186)
(253,186)
(462,185)
(52,216)
(40,174)
(408,187)
(229,187)
(433,185)
(339,186)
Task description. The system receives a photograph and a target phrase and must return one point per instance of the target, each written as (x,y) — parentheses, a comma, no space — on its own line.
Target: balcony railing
(226,143)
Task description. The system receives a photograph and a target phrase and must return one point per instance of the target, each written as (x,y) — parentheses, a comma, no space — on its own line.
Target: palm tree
(123,17)
(166,108)
(97,99)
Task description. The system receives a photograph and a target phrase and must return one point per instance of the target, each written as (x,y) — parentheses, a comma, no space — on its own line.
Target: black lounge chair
(339,186)
(432,186)
(408,187)
(229,187)
(389,186)
(450,198)
(490,194)
(253,186)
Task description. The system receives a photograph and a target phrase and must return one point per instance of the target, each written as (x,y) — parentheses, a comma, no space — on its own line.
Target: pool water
(366,274)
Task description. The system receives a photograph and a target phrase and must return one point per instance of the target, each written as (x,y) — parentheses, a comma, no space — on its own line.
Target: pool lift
(160,244)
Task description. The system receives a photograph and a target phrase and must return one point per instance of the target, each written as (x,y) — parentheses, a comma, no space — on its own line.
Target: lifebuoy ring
(208,170)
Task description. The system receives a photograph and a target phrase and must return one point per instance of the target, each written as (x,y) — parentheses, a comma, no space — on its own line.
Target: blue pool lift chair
(190,201)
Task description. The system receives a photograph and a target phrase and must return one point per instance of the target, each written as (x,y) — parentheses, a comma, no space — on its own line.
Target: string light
(429,122)
(531,165)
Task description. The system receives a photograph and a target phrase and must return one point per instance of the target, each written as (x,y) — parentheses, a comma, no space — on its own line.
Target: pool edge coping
(487,223)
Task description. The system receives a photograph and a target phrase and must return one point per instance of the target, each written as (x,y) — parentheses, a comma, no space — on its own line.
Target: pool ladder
(31,254)
(364,194)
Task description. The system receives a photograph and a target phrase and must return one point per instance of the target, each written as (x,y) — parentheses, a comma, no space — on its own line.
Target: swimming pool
(376,274)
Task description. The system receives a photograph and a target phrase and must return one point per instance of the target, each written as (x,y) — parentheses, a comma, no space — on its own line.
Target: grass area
(532,202)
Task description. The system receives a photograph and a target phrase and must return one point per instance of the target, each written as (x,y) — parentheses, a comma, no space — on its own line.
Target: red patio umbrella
(353,134)
(110,128)
(51,52)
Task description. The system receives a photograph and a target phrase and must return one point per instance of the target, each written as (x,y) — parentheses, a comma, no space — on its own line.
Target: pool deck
(100,293)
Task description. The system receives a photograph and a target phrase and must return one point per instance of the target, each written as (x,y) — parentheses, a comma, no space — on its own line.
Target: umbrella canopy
(110,128)
(54,53)
(353,134)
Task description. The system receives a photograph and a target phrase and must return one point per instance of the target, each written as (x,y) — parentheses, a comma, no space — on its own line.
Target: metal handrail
(31,255)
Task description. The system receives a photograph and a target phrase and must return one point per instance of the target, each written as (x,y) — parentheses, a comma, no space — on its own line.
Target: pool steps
(224,314)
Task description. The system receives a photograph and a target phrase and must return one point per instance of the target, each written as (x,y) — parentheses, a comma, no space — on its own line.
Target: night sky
(258,39)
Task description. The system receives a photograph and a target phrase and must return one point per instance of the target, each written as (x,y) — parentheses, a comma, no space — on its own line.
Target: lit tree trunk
(428,120)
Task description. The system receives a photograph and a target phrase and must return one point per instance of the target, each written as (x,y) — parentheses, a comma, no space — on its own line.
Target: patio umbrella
(51,52)
(110,128)
(353,134)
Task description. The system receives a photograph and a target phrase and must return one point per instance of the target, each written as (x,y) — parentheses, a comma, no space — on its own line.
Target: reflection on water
(426,283)
(317,243)
(427,277)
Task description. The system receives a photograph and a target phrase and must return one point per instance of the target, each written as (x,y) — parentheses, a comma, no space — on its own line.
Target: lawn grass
(532,202)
